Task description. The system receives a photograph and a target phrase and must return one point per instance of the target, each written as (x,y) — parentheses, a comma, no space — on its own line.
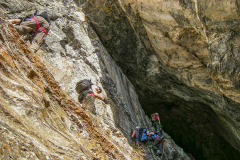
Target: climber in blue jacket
(157,145)
(136,135)
(140,133)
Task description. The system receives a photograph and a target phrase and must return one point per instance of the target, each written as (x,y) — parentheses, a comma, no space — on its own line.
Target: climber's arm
(96,95)
(96,92)
(133,134)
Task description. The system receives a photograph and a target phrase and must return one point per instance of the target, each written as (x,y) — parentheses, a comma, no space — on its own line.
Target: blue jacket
(143,137)
(155,135)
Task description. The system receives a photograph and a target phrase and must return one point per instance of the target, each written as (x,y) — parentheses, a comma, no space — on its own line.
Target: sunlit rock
(40,115)
(182,58)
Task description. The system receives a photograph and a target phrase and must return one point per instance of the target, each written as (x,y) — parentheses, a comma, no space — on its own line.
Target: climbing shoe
(158,153)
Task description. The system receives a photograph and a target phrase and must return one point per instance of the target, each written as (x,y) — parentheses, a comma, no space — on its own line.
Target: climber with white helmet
(135,135)
(140,135)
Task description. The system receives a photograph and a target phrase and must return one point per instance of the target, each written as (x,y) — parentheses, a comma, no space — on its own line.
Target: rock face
(40,121)
(182,57)
(40,115)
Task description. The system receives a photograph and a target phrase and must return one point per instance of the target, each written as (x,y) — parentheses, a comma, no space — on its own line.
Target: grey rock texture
(182,58)
(40,115)
(39,120)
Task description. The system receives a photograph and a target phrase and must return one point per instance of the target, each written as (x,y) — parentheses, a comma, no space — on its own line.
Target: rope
(163,150)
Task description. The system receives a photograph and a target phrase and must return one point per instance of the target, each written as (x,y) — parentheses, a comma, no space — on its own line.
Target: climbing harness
(163,151)
(159,140)
(91,94)
(37,28)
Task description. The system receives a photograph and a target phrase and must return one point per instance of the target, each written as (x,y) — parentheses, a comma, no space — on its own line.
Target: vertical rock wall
(182,57)
(41,121)
(40,117)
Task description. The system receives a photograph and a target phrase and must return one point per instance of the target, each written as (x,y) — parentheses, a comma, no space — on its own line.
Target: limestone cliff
(40,121)
(182,56)
(40,115)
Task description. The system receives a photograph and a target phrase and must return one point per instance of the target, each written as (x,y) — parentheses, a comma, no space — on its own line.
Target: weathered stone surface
(41,118)
(182,57)
(40,121)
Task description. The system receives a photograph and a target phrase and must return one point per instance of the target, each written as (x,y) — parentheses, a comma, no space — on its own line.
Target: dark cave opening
(194,127)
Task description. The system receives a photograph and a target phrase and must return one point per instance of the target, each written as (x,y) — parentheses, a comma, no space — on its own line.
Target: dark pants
(157,126)
(157,145)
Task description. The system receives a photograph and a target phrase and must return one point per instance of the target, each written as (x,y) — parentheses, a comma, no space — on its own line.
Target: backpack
(82,85)
(153,117)
(142,135)
(153,136)
(44,15)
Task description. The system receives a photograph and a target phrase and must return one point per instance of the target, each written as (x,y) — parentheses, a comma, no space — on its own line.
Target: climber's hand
(15,21)
(106,101)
